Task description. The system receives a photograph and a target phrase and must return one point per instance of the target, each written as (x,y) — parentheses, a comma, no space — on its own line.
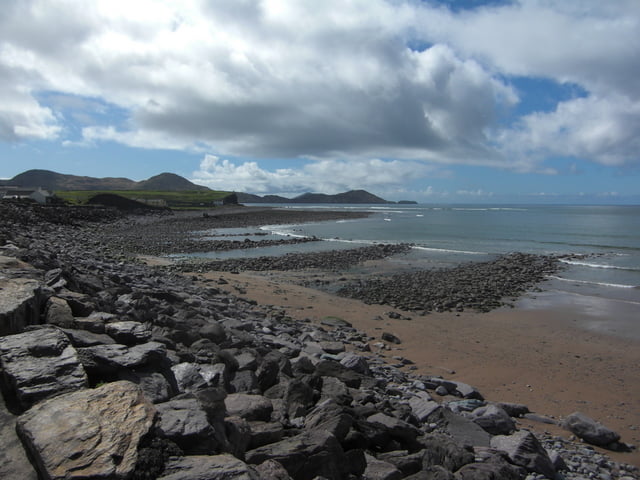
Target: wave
(600,284)
(598,265)
(446,250)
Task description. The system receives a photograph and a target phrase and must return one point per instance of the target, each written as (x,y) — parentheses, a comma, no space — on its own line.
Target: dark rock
(589,430)
(84,338)
(380,470)
(58,313)
(495,468)
(407,463)
(105,360)
(13,459)
(39,364)
(524,449)
(128,332)
(398,429)
(154,385)
(422,406)
(443,451)
(272,470)
(264,433)
(435,472)
(305,456)
(238,433)
(208,467)
(20,300)
(88,433)
(249,407)
(357,363)
(213,331)
(390,337)
(331,368)
(183,421)
(493,419)
(329,417)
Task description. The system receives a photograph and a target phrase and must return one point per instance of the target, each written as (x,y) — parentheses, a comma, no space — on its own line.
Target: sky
(524,101)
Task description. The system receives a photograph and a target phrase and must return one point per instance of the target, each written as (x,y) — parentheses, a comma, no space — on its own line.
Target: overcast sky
(434,101)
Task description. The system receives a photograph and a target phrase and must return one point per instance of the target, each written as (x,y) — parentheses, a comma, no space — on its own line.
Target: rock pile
(131,372)
(480,285)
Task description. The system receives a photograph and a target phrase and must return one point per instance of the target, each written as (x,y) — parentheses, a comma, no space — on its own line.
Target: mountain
(353,196)
(58,181)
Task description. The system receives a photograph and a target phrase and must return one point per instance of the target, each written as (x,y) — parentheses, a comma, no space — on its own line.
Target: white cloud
(326,176)
(285,79)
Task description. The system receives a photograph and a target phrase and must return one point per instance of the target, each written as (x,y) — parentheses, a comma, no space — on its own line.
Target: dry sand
(542,358)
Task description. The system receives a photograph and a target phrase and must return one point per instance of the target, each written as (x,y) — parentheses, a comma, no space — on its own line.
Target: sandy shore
(542,358)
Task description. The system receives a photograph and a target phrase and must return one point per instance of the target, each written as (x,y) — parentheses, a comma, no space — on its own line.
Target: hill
(352,196)
(61,182)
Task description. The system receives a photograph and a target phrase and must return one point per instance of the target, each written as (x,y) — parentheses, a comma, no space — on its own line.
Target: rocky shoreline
(114,369)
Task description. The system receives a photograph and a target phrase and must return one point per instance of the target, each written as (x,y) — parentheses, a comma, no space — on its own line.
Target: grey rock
(39,364)
(88,433)
(495,468)
(128,332)
(264,433)
(246,361)
(238,433)
(524,449)
(188,377)
(305,456)
(154,385)
(589,430)
(109,359)
(213,331)
(462,430)
(443,451)
(335,322)
(329,417)
(183,421)
(208,467)
(244,381)
(272,470)
(84,338)
(435,472)
(336,390)
(249,407)
(422,406)
(493,419)
(514,409)
(380,470)
(391,338)
(357,363)
(332,347)
(13,458)
(407,463)
(397,428)
(20,300)
(58,313)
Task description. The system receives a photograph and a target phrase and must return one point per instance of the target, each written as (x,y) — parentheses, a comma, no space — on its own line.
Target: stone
(524,449)
(244,381)
(305,456)
(380,470)
(329,417)
(213,331)
(39,364)
(407,463)
(88,433)
(493,468)
(109,359)
(249,407)
(589,430)
(238,432)
(332,348)
(463,430)
(331,368)
(188,377)
(422,406)
(443,451)
(391,338)
(208,467)
(13,458)
(435,472)
(298,398)
(58,313)
(264,433)
(20,300)
(335,322)
(154,385)
(128,332)
(84,338)
(493,419)
(357,363)
(514,409)
(397,428)
(183,421)
(272,470)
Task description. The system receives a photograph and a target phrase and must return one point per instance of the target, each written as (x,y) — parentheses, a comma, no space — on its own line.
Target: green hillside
(187,199)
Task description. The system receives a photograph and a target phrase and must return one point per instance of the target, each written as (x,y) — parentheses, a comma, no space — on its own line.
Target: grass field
(188,199)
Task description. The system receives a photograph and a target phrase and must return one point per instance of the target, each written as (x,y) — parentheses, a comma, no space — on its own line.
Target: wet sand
(542,355)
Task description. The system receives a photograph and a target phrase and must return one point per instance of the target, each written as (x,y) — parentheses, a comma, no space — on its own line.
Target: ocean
(603,280)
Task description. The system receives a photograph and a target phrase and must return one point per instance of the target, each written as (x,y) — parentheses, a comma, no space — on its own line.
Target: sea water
(604,241)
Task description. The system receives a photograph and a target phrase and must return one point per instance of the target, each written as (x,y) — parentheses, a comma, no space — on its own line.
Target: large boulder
(89,433)
(20,301)
(208,467)
(249,407)
(40,363)
(493,419)
(524,449)
(183,421)
(305,456)
(59,313)
(128,332)
(589,430)
(109,359)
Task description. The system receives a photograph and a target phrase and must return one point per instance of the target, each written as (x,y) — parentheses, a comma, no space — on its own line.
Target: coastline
(542,358)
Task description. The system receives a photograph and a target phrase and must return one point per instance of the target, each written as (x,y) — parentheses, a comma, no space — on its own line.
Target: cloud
(326,176)
(338,80)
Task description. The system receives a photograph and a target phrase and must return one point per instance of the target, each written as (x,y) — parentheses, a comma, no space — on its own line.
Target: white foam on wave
(596,265)
(446,250)
(600,284)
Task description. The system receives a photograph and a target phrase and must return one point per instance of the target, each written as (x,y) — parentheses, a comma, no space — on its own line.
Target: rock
(493,419)
(39,364)
(335,322)
(524,449)
(249,407)
(329,417)
(357,363)
(107,360)
(128,332)
(391,338)
(332,348)
(238,432)
(589,430)
(397,428)
(154,385)
(463,430)
(435,472)
(20,300)
(58,313)
(493,468)
(422,406)
(407,463)
(89,433)
(244,381)
(13,459)
(84,338)
(514,409)
(305,456)
(183,421)
(264,433)
(208,467)
(331,368)
(443,451)
(188,377)
(380,470)
(272,470)
(298,398)
(213,331)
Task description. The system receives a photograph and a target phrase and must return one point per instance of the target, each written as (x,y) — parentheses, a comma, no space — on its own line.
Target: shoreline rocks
(185,381)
